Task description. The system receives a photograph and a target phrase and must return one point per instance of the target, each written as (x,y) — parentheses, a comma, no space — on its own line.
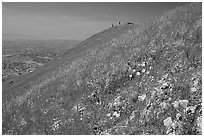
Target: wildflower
(138,73)
(116,114)
(183,103)
(142,97)
(175,104)
(178,116)
(143,64)
(109,114)
(168,122)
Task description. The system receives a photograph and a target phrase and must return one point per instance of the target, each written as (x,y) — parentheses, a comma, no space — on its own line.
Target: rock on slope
(129,79)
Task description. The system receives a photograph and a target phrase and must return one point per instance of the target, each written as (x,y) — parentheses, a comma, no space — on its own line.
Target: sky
(74,21)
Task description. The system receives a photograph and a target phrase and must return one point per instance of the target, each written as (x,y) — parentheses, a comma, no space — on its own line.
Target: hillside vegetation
(129,79)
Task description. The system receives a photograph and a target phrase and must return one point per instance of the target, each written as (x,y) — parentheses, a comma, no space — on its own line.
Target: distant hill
(128,79)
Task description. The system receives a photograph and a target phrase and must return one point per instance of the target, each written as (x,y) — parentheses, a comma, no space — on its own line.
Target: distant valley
(23,56)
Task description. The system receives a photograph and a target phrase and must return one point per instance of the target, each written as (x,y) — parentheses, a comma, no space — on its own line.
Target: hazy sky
(72,20)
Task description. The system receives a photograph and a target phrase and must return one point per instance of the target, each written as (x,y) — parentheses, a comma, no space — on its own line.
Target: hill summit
(128,79)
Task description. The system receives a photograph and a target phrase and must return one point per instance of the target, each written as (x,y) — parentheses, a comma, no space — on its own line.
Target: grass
(94,78)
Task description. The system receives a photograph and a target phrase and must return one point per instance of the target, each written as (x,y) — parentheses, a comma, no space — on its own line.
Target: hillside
(21,57)
(128,79)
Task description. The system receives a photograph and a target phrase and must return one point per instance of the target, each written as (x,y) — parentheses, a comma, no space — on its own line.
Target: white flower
(178,115)
(142,97)
(116,114)
(168,122)
(109,114)
(138,73)
(175,104)
(183,103)
(193,89)
(163,105)
(143,64)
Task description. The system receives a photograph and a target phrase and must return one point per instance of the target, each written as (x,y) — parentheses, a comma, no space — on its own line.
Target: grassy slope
(69,56)
(36,45)
(90,91)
